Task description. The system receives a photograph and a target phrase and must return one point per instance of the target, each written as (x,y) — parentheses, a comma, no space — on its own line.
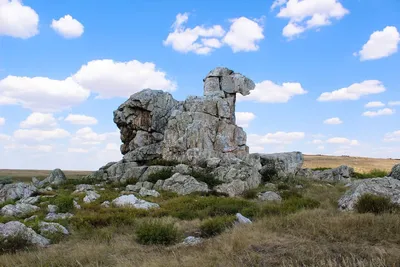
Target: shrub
(64,203)
(250,194)
(13,244)
(155,232)
(294,204)
(290,194)
(215,226)
(374,204)
(283,187)
(162,162)
(375,173)
(6,180)
(321,169)
(160,175)
(206,177)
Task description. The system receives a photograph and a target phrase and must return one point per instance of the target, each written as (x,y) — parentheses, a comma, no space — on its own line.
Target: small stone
(269,196)
(58,216)
(105,204)
(46,228)
(90,196)
(52,208)
(242,220)
(192,241)
(134,202)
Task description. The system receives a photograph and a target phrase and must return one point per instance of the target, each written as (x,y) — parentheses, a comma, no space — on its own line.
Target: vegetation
(156,232)
(162,162)
(65,203)
(6,180)
(375,173)
(375,204)
(206,177)
(321,169)
(216,226)
(160,175)
(268,175)
(13,244)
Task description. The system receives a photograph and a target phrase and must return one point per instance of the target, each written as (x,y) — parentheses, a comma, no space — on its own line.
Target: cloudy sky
(326,73)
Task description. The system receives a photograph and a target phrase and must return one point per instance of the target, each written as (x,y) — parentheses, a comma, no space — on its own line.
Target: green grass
(375,173)
(156,232)
(215,226)
(6,180)
(321,169)
(13,244)
(64,203)
(369,203)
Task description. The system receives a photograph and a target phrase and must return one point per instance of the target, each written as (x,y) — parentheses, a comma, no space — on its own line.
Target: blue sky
(326,73)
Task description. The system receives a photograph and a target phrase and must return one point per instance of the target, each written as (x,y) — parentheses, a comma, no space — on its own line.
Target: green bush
(65,203)
(155,232)
(369,203)
(250,194)
(283,187)
(6,180)
(160,175)
(215,226)
(206,177)
(375,173)
(13,244)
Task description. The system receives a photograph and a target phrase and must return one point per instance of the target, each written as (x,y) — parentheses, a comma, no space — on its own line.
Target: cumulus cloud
(243,119)
(39,120)
(394,103)
(317,141)
(374,104)
(333,121)
(244,34)
(392,137)
(31,148)
(380,44)
(18,20)
(86,136)
(40,135)
(279,138)
(77,150)
(4,137)
(2,121)
(41,94)
(110,78)
(68,27)
(307,14)
(354,91)
(199,40)
(269,92)
(342,141)
(381,112)
(81,119)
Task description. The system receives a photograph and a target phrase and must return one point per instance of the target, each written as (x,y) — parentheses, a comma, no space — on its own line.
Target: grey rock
(32,218)
(341,174)
(83,188)
(213,162)
(192,241)
(51,228)
(134,202)
(76,205)
(281,164)
(122,171)
(148,185)
(241,219)
(395,172)
(90,197)
(15,228)
(387,186)
(234,188)
(184,184)
(269,196)
(58,216)
(18,210)
(106,204)
(56,177)
(182,169)
(29,200)
(134,188)
(16,191)
(52,208)
(146,192)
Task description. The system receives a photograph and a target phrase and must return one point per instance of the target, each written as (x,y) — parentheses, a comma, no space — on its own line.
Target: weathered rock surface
(395,172)
(281,164)
(134,202)
(15,228)
(51,228)
(29,200)
(192,241)
(56,177)
(90,196)
(269,196)
(182,184)
(242,220)
(16,191)
(144,192)
(387,186)
(52,208)
(58,216)
(83,188)
(341,174)
(18,210)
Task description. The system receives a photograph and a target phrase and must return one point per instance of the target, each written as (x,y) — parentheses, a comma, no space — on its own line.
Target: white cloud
(77,150)
(243,119)
(2,121)
(39,120)
(110,78)
(112,146)
(374,104)
(41,94)
(354,91)
(320,147)
(343,141)
(394,103)
(269,92)
(68,27)
(275,138)
(32,148)
(333,121)
(4,137)
(86,136)
(308,14)
(17,20)
(392,137)
(186,40)
(381,112)
(317,141)
(380,44)
(40,135)
(244,34)
(80,119)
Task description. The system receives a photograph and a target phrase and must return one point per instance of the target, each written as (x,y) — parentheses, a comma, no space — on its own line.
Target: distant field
(360,164)
(26,175)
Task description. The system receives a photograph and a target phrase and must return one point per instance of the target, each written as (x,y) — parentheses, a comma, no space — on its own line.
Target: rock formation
(395,172)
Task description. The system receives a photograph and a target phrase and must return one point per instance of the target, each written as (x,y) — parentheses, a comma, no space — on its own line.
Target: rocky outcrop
(17,229)
(341,174)
(16,191)
(181,184)
(56,177)
(395,172)
(280,164)
(387,186)
(18,210)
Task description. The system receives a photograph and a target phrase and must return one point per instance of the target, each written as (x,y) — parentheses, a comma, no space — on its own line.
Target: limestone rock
(387,186)
(183,184)
(16,191)
(76,205)
(90,196)
(182,169)
(58,216)
(146,192)
(105,204)
(281,164)
(152,170)
(51,228)
(15,228)
(395,172)
(32,218)
(341,174)
(241,219)
(18,210)
(134,202)
(52,208)
(56,177)
(83,188)
(192,241)
(269,196)
(29,200)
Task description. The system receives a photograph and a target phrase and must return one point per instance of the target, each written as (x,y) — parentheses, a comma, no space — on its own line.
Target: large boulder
(46,228)
(56,177)
(281,164)
(388,187)
(341,174)
(133,202)
(16,191)
(181,184)
(17,229)
(395,172)
(18,210)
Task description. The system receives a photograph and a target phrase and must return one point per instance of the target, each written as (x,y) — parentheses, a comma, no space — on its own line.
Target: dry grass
(359,164)
(26,175)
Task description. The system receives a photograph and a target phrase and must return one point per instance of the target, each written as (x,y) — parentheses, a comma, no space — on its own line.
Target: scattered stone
(90,196)
(213,162)
(83,188)
(242,220)
(58,216)
(148,185)
(51,228)
(29,200)
(18,210)
(32,218)
(182,184)
(269,196)
(395,172)
(106,204)
(146,192)
(16,191)
(234,188)
(52,208)
(192,241)
(388,187)
(132,201)
(76,205)
(270,185)
(15,228)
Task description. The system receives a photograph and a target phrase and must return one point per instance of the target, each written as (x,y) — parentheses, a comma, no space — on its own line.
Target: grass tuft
(156,232)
